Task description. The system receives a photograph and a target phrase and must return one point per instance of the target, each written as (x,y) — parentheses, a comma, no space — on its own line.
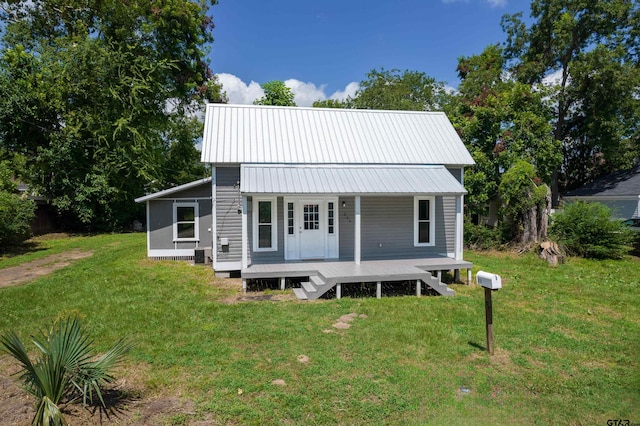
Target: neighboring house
(45,218)
(375,195)
(619,191)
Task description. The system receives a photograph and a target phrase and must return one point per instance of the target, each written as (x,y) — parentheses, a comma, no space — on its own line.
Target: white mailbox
(488,280)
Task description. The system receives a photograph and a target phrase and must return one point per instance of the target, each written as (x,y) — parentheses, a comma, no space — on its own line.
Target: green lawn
(567,341)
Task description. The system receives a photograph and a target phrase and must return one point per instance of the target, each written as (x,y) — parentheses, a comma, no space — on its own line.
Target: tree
(399,90)
(505,124)
(67,367)
(276,93)
(92,93)
(16,212)
(593,47)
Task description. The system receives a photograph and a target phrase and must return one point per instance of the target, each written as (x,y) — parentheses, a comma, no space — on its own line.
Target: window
(264,224)
(311,219)
(290,229)
(331,218)
(424,223)
(185,221)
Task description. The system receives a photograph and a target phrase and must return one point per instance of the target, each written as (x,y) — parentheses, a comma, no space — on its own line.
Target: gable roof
(348,179)
(173,190)
(619,184)
(285,135)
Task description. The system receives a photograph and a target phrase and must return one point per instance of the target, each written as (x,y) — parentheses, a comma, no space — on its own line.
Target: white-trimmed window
(265,235)
(185,221)
(424,221)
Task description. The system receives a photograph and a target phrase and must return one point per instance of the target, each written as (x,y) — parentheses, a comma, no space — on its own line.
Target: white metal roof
(173,190)
(285,135)
(326,179)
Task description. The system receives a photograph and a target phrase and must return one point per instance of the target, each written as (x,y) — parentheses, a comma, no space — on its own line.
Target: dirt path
(29,271)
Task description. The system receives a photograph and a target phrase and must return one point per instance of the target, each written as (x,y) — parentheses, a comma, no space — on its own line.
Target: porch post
(459,225)
(356,245)
(245,257)
(214,213)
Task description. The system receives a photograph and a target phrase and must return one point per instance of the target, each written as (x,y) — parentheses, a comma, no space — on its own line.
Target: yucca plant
(66,368)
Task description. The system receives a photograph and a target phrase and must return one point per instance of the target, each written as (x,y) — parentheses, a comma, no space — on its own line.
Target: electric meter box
(488,280)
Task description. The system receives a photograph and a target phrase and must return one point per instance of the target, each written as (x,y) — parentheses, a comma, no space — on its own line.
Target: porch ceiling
(348,179)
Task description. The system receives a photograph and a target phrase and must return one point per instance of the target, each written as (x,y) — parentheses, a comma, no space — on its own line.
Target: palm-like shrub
(65,369)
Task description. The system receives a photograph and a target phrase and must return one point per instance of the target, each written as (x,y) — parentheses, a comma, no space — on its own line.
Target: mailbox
(488,280)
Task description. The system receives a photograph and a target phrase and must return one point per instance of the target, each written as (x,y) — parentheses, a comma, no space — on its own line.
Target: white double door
(311,228)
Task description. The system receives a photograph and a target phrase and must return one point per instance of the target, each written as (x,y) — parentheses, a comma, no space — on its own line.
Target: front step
(300,294)
(316,286)
(436,284)
(308,287)
(312,289)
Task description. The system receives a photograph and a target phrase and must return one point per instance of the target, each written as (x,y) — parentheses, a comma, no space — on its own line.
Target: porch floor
(348,271)
(332,273)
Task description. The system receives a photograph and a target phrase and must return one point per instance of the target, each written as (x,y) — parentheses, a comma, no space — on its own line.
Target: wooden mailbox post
(491,283)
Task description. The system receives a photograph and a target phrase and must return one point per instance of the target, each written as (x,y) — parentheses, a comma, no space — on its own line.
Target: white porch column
(245,234)
(214,220)
(356,245)
(459,225)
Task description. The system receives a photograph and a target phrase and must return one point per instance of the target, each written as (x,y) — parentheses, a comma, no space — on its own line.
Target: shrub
(16,214)
(66,369)
(587,230)
(482,237)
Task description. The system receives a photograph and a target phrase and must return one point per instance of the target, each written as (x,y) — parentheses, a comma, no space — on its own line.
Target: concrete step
(300,294)
(308,287)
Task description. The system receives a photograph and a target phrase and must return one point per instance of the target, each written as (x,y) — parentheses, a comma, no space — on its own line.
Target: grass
(567,341)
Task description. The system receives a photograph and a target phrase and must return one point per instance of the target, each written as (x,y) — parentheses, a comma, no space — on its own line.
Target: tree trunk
(543,217)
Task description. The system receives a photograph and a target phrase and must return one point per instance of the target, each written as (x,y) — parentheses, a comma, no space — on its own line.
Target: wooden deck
(324,275)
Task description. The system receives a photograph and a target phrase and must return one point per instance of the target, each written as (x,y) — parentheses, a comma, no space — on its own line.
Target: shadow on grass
(20,249)
(117,403)
(476,345)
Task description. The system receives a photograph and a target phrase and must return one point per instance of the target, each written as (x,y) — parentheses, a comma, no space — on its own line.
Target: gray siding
(388,221)
(228,214)
(161,219)
(457,173)
(346,227)
(160,224)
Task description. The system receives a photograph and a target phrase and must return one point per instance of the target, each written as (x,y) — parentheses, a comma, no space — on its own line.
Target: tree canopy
(98,97)
(393,90)
(592,49)
(276,93)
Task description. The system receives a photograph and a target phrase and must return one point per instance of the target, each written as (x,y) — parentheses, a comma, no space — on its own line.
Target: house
(336,195)
(619,191)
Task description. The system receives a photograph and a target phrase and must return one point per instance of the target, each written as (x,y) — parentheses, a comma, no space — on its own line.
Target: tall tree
(505,124)
(276,93)
(394,90)
(92,94)
(592,46)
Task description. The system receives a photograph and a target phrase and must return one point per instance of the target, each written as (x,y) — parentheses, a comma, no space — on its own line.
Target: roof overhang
(348,180)
(173,190)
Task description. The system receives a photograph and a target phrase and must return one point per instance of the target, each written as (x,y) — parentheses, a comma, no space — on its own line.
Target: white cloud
(305,94)
(238,91)
(553,79)
(348,92)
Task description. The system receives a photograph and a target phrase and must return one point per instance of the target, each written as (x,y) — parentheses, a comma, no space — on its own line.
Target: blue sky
(322,49)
